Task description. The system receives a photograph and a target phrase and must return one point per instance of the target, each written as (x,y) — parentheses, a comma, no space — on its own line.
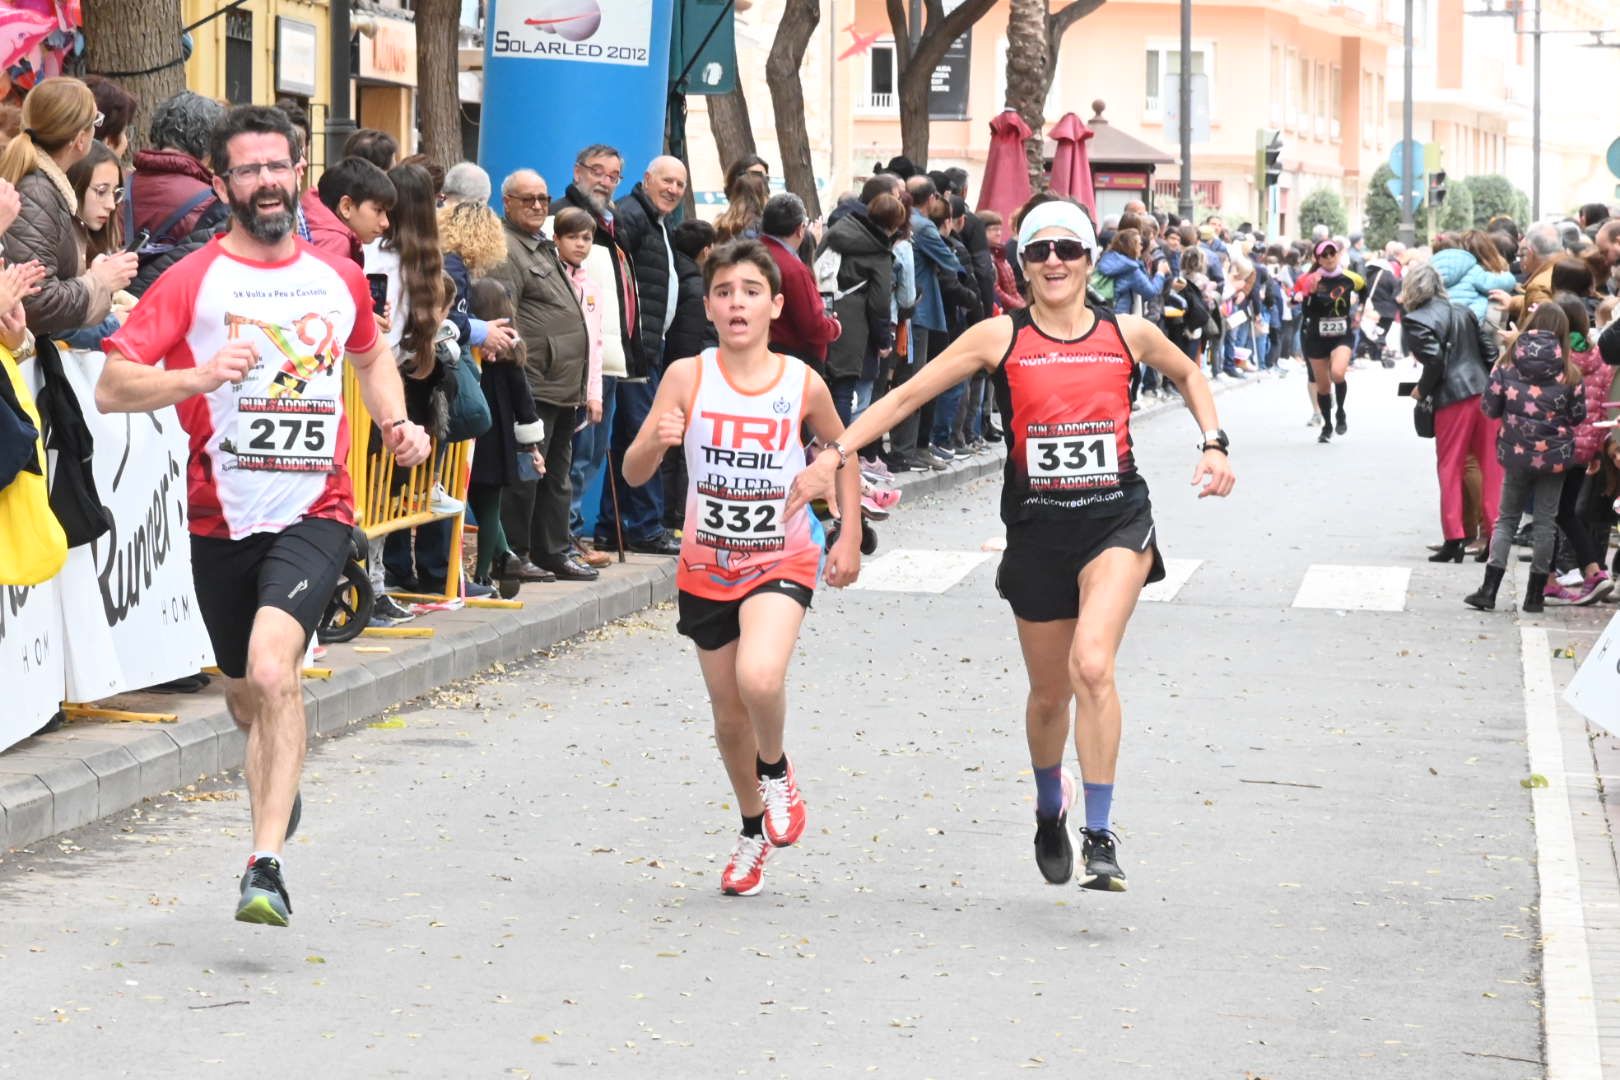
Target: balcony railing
(876,103)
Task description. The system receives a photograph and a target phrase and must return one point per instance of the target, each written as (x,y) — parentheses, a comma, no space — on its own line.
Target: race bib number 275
(287,434)
(1072,456)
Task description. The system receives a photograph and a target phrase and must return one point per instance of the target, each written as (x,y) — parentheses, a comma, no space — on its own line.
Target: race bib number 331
(1073,456)
(286,434)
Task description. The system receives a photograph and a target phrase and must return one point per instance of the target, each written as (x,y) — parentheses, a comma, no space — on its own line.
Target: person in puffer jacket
(1536,390)
(1471,270)
(1595,584)
(1122,263)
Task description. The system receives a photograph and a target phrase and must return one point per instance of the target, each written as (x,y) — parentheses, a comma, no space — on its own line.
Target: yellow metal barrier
(386,502)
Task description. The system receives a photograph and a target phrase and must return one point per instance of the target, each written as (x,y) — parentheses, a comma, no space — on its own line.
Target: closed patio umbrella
(1006,171)
(1071,165)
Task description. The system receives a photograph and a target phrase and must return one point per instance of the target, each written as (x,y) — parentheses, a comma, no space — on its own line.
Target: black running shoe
(264,895)
(1100,850)
(1054,854)
(1327,432)
(1339,425)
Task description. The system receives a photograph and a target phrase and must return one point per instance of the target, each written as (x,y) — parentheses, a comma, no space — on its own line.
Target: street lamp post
(1535,125)
(1408,233)
(1184,205)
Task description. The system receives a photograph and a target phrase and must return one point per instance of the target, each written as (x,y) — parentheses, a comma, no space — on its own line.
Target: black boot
(1450,551)
(1535,594)
(1484,598)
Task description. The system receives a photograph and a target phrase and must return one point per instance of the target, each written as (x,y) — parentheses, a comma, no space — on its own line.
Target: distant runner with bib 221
(1081,542)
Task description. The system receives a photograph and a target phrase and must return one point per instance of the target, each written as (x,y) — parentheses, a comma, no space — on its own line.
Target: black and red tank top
(1066,409)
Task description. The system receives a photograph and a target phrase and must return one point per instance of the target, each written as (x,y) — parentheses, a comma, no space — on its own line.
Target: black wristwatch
(1215,439)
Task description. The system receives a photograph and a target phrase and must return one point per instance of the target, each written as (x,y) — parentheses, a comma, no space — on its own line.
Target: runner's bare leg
(269,703)
(770,628)
(1109,587)
(733,731)
(1049,706)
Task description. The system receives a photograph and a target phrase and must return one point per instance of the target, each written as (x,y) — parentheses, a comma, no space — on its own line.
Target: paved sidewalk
(91,770)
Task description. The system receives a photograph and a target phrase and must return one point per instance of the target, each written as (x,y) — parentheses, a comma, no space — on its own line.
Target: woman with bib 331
(1081,542)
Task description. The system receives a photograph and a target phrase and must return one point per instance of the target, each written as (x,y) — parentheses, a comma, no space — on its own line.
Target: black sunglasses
(1038,251)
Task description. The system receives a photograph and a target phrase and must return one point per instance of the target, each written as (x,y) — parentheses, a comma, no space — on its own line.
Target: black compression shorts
(714,624)
(1040,570)
(293,571)
(1321,348)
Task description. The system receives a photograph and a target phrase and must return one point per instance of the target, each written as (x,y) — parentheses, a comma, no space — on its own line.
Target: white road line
(1570,1013)
(916,571)
(1176,574)
(1354,588)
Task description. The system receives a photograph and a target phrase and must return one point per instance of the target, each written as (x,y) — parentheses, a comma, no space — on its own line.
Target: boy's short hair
(737,253)
(692,236)
(360,180)
(572,220)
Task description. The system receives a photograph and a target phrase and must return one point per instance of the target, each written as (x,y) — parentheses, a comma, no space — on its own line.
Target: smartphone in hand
(139,240)
(379,292)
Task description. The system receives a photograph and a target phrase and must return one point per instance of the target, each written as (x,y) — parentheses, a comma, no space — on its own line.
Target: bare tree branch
(901,30)
(799,20)
(1058,23)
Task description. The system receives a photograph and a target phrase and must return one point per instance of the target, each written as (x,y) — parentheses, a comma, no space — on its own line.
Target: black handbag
(1423,417)
(72,481)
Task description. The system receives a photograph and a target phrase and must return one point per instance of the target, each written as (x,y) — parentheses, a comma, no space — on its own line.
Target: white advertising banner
(1595,690)
(587,31)
(130,607)
(31,659)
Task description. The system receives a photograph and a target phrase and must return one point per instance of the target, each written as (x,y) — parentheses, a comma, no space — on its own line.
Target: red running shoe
(784,808)
(744,874)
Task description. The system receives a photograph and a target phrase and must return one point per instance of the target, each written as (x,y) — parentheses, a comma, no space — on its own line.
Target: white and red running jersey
(742,453)
(274,449)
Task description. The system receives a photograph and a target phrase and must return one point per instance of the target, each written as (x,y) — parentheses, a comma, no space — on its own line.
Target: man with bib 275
(1081,541)
(247,337)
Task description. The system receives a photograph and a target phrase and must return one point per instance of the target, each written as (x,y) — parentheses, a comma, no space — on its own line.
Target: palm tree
(1034,35)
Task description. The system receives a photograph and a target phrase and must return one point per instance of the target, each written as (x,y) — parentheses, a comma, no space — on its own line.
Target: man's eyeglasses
(277,170)
(1038,251)
(531,200)
(599,173)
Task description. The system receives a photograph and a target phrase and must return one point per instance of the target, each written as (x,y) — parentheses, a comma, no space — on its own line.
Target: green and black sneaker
(1100,850)
(264,894)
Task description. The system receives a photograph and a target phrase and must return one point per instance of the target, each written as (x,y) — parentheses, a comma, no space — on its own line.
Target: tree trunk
(728,120)
(1029,79)
(917,55)
(122,37)
(799,20)
(438,91)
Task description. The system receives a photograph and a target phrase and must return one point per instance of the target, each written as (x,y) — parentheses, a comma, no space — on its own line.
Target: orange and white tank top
(742,453)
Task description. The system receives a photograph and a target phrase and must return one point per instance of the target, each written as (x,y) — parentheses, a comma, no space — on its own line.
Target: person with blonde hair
(59,119)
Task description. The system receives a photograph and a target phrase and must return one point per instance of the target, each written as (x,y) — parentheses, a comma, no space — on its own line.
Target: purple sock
(1099,800)
(1049,790)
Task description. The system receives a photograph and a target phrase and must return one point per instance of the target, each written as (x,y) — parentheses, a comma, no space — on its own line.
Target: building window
(1167,61)
(1335,101)
(1302,96)
(239,56)
(1275,112)
(882,79)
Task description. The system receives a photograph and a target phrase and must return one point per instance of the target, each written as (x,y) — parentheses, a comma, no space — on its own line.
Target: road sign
(1614,157)
(1394,187)
(1171,107)
(1397,161)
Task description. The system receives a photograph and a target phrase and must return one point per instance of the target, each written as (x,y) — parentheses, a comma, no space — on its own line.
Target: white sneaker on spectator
(442,503)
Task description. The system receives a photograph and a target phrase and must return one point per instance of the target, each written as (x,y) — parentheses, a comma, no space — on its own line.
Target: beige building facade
(1326,73)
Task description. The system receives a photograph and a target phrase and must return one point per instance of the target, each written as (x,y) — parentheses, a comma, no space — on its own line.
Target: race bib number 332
(286,434)
(741,520)
(1072,456)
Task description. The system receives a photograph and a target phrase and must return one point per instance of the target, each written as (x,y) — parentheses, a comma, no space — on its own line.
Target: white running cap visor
(1058,215)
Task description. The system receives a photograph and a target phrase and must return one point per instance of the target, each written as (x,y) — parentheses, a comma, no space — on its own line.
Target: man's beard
(601,204)
(269,227)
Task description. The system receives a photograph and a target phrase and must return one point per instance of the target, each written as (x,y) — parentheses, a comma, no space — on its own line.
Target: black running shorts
(714,624)
(1040,570)
(293,571)
(1321,348)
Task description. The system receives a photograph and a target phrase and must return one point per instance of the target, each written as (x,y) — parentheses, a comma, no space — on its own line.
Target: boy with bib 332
(747,569)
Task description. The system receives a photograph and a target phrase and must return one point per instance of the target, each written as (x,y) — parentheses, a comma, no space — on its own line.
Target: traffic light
(1437,188)
(1273,151)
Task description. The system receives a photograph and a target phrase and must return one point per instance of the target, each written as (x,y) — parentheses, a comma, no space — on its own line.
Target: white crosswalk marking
(915,571)
(1176,574)
(1354,588)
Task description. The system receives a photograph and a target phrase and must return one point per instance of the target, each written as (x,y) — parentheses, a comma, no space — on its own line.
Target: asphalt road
(1329,851)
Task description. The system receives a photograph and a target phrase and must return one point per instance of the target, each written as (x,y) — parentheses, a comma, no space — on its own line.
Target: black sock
(754,826)
(773,771)
(1339,390)
(1325,403)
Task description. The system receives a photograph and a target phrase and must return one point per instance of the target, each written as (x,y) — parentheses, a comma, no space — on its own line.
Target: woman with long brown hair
(98,189)
(745,198)
(59,119)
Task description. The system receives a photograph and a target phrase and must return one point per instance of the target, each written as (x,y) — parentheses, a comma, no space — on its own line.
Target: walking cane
(613,489)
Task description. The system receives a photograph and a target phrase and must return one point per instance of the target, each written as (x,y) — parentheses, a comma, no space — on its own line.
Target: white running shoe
(442,503)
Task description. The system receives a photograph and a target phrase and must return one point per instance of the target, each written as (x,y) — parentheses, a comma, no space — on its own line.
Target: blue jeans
(863,397)
(1241,338)
(590,450)
(641,508)
(943,434)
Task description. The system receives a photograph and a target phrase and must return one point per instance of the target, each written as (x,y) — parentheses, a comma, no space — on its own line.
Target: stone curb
(52,783)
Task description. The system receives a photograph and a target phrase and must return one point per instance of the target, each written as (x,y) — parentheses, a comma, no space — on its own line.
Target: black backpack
(74,500)
(162,241)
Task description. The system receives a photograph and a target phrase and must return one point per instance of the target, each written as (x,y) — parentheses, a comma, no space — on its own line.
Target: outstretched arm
(844,561)
(980,348)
